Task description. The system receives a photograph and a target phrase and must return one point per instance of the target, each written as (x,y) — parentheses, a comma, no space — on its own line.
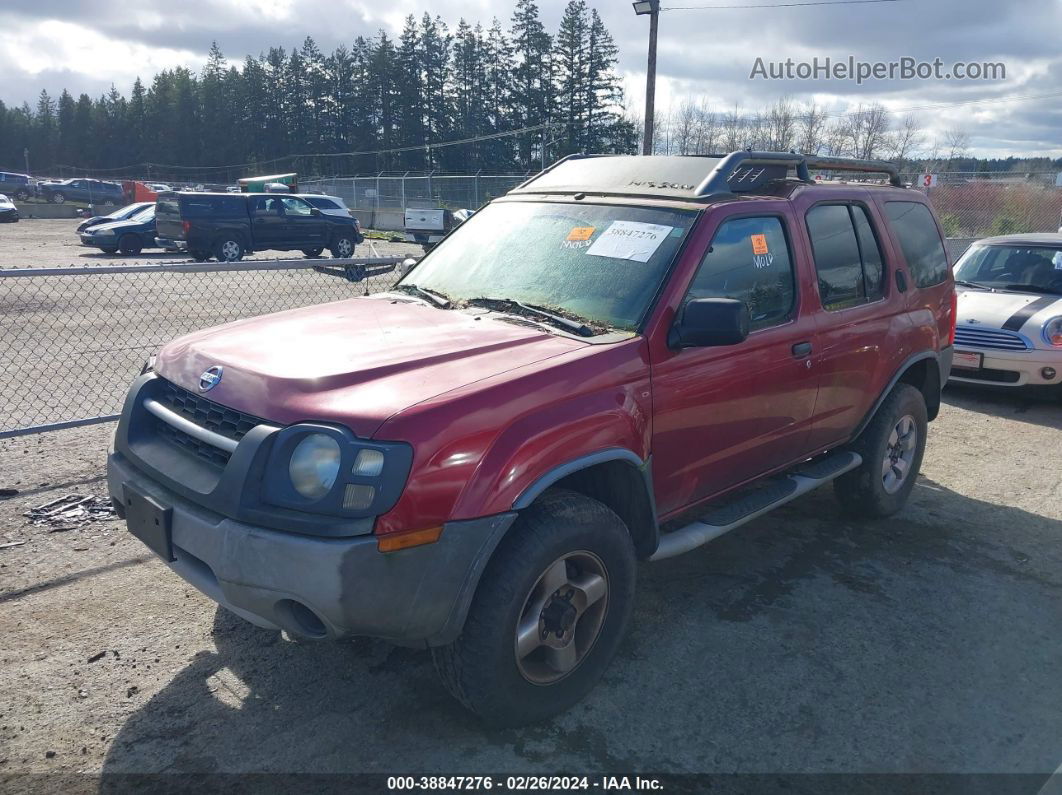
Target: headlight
(101,232)
(1053,331)
(314,465)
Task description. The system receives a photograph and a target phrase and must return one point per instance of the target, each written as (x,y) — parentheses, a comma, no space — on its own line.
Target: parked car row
(227,226)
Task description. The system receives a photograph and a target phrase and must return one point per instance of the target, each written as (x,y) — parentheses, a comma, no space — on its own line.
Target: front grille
(995,338)
(230,423)
(987,374)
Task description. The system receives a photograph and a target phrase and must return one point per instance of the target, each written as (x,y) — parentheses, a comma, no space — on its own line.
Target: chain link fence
(72,339)
(391,192)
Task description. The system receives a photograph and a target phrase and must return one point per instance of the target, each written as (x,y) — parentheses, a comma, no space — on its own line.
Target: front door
(726,415)
(304,227)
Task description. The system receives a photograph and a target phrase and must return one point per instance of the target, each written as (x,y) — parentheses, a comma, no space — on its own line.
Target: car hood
(994,309)
(354,362)
(117,225)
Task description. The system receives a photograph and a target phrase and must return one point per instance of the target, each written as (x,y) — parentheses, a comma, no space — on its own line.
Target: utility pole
(652,8)
(25,156)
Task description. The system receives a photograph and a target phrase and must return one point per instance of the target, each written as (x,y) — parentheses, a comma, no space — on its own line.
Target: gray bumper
(172,245)
(417,596)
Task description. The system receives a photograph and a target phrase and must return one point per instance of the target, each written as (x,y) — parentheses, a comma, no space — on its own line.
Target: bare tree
(811,128)
(865,130)
(780,126)
(904,141)
(733,133)
(685,129)
(957,142)
(707,129)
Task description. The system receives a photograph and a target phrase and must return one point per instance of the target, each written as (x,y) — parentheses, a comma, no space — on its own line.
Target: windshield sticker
(580,233)
(630,240)
(1057,260)
(759,244)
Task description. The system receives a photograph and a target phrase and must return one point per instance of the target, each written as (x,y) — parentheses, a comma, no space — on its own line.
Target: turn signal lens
(368,464)
(392,543)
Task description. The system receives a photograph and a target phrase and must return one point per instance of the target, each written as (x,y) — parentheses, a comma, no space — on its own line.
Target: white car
(1009,326)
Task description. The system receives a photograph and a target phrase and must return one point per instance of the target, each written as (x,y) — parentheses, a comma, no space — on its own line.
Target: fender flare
(903,368)
(531,493)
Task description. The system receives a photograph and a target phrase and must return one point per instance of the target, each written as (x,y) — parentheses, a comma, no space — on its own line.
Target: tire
(481,668)
(109,250)
(57,198)
(870,491)
(130,245)
(228,248)
(342,246)
(21,195)
(312,253)
(200,256)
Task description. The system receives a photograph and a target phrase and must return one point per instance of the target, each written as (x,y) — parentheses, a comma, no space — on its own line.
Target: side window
(749,260)
(296,207)
(922,247)
(847,257)
(268,205)
(873,262)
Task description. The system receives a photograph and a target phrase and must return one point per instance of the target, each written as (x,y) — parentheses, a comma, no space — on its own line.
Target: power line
(778,5)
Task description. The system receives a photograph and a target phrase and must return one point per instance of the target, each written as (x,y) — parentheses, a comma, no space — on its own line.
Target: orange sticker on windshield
(759,244)
(580,233)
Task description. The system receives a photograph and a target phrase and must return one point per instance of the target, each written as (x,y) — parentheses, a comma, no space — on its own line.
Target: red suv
(620,360)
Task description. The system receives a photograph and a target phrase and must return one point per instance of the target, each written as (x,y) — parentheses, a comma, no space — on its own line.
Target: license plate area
(972,361)
(149,520)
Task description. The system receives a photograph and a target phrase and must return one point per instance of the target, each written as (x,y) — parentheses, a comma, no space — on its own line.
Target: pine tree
(435,45)
(571,52)
(532,75)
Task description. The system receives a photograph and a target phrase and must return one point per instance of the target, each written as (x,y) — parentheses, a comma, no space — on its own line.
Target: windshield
(601,263)
(1036,269)
(145,214)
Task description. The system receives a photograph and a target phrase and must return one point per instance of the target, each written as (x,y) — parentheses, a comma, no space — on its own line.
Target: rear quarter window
(919,238)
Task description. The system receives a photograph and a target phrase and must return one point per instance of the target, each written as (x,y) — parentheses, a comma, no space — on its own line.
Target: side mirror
(315,211)
(708,322)
(405,266)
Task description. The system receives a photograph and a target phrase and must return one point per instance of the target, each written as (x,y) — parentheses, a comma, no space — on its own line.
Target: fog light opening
(1048,373)
(301,620)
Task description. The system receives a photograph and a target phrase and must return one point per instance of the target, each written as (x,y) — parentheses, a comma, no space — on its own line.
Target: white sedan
(1009,330)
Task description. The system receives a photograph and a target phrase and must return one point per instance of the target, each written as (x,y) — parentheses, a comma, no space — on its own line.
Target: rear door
(168,217)
(861,317)
(726,415)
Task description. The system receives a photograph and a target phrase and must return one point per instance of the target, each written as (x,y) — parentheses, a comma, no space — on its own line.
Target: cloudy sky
(87,46)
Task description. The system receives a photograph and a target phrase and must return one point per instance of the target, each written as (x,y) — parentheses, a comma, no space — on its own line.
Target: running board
(754,502)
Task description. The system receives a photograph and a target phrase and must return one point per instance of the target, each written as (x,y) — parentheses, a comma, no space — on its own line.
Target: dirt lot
(53,243)
(804,642)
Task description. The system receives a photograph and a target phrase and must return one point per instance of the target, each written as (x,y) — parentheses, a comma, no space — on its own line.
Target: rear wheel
(21,195)
(342,246)
(58,198)
(892,447)
(548,615)
(108,250)
(228,249)
(312,253)
(130,245)
(200,256)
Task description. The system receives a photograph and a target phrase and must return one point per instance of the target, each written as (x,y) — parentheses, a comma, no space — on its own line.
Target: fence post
(475,190)
(403,183)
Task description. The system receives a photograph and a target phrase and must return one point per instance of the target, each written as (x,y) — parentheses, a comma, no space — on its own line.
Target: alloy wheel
(899,454)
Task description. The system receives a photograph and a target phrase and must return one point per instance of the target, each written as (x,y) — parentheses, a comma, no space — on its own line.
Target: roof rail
(855,164)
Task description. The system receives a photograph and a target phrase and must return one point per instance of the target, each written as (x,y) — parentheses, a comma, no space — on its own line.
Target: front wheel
(548,615)
(21,195)
(312,253)
(342,247)
(130,245)
(108,249)
(58,198)
(228,249)
(892,446)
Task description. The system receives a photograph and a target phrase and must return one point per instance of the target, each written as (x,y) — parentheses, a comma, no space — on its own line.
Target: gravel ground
(801,643)
(53,243)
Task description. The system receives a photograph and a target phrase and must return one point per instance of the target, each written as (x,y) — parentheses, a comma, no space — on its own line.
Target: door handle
(802,349)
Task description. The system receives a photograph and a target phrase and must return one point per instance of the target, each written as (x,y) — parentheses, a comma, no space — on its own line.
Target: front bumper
(88,239)
(1009,368)
(323,587)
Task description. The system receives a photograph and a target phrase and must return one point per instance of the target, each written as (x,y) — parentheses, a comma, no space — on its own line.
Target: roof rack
(738,169)
(684,176)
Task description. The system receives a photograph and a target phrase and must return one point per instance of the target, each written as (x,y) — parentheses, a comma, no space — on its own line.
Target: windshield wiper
(437,298)
(975,285)
(1033,288)
(574,326)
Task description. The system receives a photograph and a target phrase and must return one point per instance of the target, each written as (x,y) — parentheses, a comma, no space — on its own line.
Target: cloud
(54,44)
